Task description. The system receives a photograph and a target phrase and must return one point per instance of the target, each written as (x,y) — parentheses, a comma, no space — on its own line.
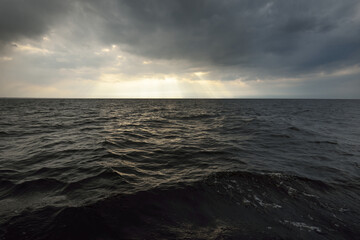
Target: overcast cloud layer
(206,48)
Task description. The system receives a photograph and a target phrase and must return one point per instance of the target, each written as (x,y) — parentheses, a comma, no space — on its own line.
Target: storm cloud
(245,39)
(28,19)
(278,36)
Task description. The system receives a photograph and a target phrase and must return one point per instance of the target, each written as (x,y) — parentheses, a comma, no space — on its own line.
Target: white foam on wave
(263,204)
(302,226)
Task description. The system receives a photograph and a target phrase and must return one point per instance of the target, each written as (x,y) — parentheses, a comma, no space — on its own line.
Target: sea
(179,169)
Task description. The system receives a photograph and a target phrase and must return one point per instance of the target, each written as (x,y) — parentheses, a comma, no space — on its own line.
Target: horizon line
(185,98)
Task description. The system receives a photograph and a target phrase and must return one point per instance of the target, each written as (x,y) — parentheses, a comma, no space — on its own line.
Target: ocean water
(179,169)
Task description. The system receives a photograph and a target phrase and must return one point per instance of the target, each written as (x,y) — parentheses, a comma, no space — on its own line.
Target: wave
(160,169)
(224,205)
(195,116)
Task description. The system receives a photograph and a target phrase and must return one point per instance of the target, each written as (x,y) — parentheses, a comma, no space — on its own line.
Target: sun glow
(113,86)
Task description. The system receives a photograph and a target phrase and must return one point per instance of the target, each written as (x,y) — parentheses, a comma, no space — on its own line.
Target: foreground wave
(224,205)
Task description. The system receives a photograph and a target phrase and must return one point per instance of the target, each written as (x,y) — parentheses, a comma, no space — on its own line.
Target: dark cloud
(28,18)
(259,38)
(272,37)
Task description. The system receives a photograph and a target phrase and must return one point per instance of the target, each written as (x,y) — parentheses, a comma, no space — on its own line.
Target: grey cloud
(28,18)
(272,37)
(269,39)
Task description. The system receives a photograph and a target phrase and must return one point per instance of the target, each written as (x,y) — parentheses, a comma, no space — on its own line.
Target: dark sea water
(179,169)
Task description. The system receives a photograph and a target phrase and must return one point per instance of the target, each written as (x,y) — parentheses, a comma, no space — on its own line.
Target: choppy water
(179,169)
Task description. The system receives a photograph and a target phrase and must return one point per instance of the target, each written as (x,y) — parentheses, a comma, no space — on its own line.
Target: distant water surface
(179,169)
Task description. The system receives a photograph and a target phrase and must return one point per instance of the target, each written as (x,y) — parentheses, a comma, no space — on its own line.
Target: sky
(180,48)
